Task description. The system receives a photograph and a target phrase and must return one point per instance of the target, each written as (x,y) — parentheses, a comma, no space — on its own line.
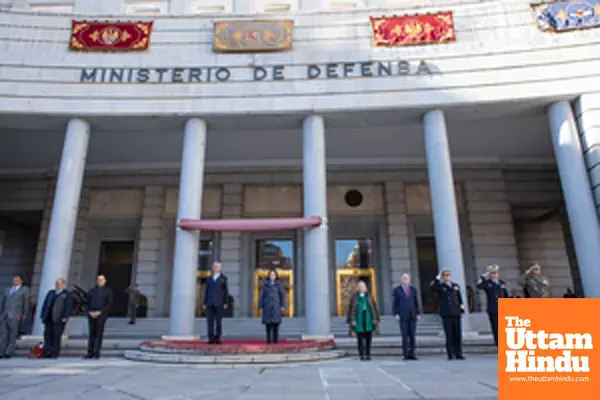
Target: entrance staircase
(251,328)
(120,336)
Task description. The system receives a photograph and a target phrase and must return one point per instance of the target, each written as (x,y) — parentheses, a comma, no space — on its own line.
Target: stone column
(587,109)
(443,202)
(185,265)
(316,252)
(63,219)
(578,196)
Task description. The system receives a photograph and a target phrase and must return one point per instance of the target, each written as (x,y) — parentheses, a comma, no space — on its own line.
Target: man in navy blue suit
(407,311)
(55,314)
(215,302)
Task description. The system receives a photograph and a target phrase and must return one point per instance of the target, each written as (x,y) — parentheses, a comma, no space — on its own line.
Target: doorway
(277,253)
(428,270)
(354,262)
(116,264)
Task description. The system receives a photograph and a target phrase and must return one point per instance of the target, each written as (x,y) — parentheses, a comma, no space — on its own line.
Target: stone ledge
(135,355)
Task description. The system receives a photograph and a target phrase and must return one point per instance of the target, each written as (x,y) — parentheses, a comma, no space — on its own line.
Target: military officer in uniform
(494,288)
(534,284)
(451,310)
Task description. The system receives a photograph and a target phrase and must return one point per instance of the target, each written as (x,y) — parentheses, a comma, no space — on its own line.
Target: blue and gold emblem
(253,36)
(567,16)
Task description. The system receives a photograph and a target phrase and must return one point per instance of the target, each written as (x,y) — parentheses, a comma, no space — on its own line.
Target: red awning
(249,224)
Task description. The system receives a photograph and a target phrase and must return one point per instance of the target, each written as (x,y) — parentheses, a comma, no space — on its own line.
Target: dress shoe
(218,342)
(450,358)
(362,358)
(368,358)
(88,356)
(412,358)
(211,342)
(460,358)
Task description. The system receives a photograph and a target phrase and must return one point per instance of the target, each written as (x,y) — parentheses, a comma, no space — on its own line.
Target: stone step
(392,346)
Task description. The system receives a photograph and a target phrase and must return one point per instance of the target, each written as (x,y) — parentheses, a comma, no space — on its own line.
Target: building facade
(480,151)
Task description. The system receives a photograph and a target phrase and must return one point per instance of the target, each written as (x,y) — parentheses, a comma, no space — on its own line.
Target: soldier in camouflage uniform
(534,284)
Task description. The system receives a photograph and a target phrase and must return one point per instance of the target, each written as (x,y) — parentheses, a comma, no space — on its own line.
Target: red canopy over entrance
(248,225)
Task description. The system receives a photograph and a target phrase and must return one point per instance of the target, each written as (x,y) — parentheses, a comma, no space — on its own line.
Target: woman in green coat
(363,319)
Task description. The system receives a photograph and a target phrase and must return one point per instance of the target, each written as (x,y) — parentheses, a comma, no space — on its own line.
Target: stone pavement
(385,378)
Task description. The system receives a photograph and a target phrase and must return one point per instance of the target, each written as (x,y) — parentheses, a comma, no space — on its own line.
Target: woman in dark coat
(363,319)
(271,305)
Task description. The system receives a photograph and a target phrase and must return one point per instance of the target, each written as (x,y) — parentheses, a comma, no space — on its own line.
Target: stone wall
(496,58)
(491,226)
(149,245)
(231,242)
(397,230)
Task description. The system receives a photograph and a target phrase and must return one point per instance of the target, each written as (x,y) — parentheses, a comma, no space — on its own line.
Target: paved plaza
(386,378)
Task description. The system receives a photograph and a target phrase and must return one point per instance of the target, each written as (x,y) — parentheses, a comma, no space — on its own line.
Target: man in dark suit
(55,314)
(215,301)
(494,288)
(407,311)
(99,300)
(452,308)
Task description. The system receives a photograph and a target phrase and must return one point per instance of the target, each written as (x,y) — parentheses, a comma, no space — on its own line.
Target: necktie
(406,291)
(12,290)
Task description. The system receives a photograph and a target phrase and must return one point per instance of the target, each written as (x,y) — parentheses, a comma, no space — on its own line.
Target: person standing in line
(55,315)
(215,302)
(533,283)
(271,306)
(494,288)
(363,319)
(14,307)
(407,311)
(99,300)
(134,294)
(452,308)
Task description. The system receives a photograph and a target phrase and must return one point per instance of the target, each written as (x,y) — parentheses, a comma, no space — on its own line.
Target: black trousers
(494,324)
(132,313)
(453,331)
(408,327)
(214,316)
(364,343)
(96,333)
(52,335)
(272,333)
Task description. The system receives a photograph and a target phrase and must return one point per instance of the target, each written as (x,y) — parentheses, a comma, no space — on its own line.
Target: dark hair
(276,274)
(18,276)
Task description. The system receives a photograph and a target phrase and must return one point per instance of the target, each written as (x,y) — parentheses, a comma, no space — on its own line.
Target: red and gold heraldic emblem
(413,29)
(253,36)
(110,36)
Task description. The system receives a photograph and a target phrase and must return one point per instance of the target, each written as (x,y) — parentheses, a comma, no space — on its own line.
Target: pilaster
(492,231)
(397,229)
(149,245)
(231,242)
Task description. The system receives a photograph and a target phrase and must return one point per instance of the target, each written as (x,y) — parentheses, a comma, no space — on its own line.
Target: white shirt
(14,289)
(216,276)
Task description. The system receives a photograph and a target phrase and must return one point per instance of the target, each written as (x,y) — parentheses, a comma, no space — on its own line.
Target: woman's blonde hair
(363,283)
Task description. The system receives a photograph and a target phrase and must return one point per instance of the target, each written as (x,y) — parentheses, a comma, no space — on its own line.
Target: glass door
(277,254)
(354,261)
(205,260)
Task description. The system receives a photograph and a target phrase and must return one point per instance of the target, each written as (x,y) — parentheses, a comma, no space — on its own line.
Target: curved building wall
(499,55)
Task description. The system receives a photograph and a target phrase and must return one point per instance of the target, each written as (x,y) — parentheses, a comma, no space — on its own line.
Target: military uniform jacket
(494,291)
(451,302)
